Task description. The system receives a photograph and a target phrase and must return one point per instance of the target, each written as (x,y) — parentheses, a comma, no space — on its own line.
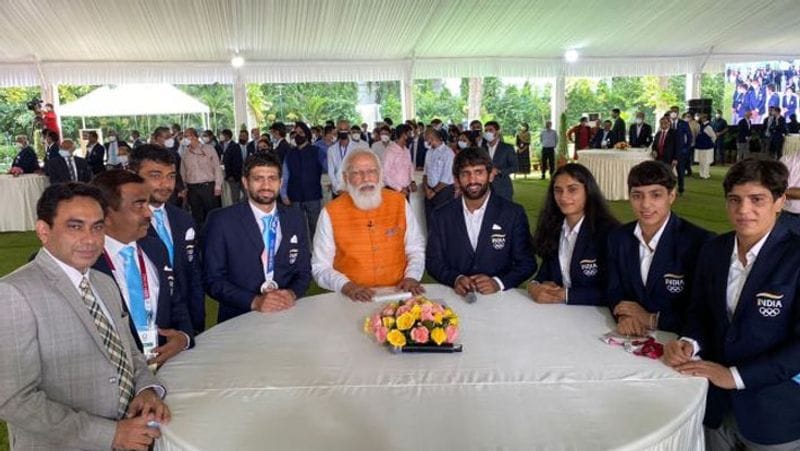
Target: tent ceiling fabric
(133,100)
(192,41)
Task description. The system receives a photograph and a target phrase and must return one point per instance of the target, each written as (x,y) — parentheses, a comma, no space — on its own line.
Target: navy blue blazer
(96,158)
(52,152)
(233,162)
(506,162)
(187,265)
(172,312)
(684,136)
(587,269)
(26,160)
(283,148)
(762,340)
(504,249)
(58,170)
(669,281)
(233,271)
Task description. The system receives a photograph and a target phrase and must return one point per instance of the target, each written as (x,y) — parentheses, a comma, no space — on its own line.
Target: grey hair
(347,164)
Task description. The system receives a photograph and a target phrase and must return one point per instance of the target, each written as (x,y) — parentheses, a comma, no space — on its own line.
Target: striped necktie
(113,344)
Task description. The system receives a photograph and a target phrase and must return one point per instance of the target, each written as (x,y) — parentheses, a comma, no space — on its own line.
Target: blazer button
(112,380)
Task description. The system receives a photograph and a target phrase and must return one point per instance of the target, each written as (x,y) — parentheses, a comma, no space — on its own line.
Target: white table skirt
(791,144)
(19,197)
(611,167)
(531,377)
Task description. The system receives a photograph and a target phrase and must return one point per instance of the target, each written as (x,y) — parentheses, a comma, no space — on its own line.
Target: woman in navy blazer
(573,200)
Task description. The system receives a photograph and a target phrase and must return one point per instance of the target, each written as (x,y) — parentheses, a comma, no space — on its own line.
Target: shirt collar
(575,230)
(114,246)
(259,214)
(161,207)
(752,254)
(72,273)
(478,211)
(637,232)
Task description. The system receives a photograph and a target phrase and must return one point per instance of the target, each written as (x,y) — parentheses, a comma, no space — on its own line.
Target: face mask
(427,145)
(205,139)
(112,139)
(355,136)
(186,141)
(64,153)
(638,120)
(718,116)
(299,140)
(463,145)
(123,159)
(314,137)
(18,146)
(169,142)
(697,118)
(437,127)
(384,139)
(488,136)
(673,115)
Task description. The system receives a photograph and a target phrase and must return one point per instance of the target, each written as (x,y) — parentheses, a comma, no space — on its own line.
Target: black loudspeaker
(701,106)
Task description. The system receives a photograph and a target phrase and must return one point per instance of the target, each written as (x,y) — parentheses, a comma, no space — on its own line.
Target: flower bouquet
(415,325)
(622,145)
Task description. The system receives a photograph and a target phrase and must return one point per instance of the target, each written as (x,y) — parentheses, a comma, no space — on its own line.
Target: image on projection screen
(756,87)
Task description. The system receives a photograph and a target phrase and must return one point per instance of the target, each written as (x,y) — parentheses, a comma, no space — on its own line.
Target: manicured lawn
(702,204)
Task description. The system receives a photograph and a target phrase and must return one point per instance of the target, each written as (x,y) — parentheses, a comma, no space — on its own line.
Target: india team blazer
(762,339)
(504,247)
(588,268)
(669,280)
(232,266)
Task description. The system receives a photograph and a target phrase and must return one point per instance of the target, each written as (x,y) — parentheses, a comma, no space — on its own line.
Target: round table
(791,144)
(20,194)
(530,377)
(611,167)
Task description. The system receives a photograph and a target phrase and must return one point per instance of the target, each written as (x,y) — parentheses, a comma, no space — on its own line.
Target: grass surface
(701,204)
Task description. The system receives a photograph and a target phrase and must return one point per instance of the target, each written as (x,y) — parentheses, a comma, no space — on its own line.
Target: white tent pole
(83,121)
(474,98)
(693,81)
(239,101)
(558,101)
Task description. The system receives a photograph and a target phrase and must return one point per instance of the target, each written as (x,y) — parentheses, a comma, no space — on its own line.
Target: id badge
(149,339)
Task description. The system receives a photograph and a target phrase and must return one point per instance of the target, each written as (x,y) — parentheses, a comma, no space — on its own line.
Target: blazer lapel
(491,213)
(461,235)
(578,251)
(720,281)
(761,268)
(663,256)
(248,222)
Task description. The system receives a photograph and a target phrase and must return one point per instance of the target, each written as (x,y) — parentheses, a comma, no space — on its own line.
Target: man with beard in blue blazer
(174,226)
(651,260)
(256,255)
(743,333)
(139,264)
(479,242)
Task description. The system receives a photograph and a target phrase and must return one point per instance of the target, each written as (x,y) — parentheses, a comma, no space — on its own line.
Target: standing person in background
(775,131)
(233,156)
(301,185)
(162,137)
(49,119)
(51,140)
(398,170)
(67,168)
(95,154)
(618,130)
(524,149)
(640,133)
(704,146)
(683,144)
(504,160)
(720,126)
(112,148)
(280,146)
(336,153)
(255,135)
(581,136)
(136,139)
(744,130)
(665,144)
(437,179)
(26,160)
(203,176)
(383,137)
(789,102)
(549,139)
(694,130)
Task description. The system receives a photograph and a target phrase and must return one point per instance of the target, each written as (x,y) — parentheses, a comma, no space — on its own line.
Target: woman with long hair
(571,240)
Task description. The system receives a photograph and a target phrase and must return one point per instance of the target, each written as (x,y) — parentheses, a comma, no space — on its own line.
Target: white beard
(366,200)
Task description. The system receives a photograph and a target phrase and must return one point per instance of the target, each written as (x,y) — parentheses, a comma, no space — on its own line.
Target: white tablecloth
(791,144)
(530,377)
(19,197)
(611,167)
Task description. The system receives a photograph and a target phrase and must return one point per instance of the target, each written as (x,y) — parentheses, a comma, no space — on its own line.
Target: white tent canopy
(134,100)
(192,41)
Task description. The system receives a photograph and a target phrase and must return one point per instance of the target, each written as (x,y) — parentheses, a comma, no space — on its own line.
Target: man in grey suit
(71,377)
(504,160)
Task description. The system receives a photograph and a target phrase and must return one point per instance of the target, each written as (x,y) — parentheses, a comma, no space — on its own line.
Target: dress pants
(201,201)
(548,160)
(728,438)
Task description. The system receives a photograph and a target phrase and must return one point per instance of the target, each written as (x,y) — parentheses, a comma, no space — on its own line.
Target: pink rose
(380,334)
(402,309)
(388,310)
(426,315)
(437,309)
(452,333)
(375,321)
(419,334)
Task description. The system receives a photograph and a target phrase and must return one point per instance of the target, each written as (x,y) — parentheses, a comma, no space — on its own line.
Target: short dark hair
(472,156)
(651,173)
(388,121)
(227,134)
(262,159)
(770,174)
(436,121)
(53,195)
(494,124)
(160,130)
(54,136)
(328,129)
(615,110)
(135,133)
(279,127)
(401,129)
(150,152)
(109,182)
(93,134)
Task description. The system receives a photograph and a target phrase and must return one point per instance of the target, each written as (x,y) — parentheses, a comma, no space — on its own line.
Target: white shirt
(792,161)
(325,250)
(648,250)
(439,166)
(259,215)
(493,148)
(112,248)
(379,148)
(474,222)
(738,273)
(154,223)
(566,247)
(336,154)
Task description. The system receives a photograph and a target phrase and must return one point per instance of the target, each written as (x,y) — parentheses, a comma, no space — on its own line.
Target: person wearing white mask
(26,161)
(383,139)
(640,133)
(95,153)
(437,179)
(504,160)
(704,146)
(357,137)
(68,168)
(202,173)
(112,148)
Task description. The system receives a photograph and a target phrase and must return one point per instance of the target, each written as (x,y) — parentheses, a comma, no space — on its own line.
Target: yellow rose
(448,313)
(367,325)
(454,320)
(437,318)
(416,310)
(388,322)
(406,321)
(438,335)
(397,339)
